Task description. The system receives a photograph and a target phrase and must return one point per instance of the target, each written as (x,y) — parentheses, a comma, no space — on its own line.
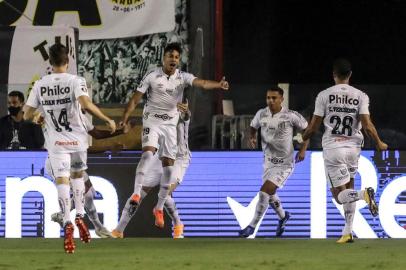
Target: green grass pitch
(203,253)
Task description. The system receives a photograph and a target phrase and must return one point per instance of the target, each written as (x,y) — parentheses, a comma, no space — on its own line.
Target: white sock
(262,206)
(276,205)
(172,211)
(126,215)
(164,186)
(78,189)
(349,212)
(350,195)
(64,201)
(142,167)
(91,209)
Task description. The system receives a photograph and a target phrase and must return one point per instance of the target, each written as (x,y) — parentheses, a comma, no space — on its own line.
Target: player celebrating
(345,110)
(61,96)
(154,175)
(277,124)
(164,87)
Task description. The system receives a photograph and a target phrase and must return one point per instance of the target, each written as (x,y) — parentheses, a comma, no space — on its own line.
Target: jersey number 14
(62,120)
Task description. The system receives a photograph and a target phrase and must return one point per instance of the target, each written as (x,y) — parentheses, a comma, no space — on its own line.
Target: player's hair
(58,55)
(275,88)
(342,68)
(17,94)
(173,47)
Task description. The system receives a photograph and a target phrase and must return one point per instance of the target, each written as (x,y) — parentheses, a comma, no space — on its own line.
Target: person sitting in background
(15,133)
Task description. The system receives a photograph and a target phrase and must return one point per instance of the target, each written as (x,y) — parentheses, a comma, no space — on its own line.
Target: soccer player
(344,110)
(164,87)
(90,208)
(61,96)
(154,175)
(277,124)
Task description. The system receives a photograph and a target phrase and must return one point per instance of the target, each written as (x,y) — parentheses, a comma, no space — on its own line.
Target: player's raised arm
(88,105)
(209,85)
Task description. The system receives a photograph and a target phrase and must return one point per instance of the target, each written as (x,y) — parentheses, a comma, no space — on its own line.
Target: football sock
(142,167)
(262,206)
(78,190)
(64,201)
(276,205)
(350,195)
(126,215)
(172,211)
(164,186)
(349,212)
(91,209)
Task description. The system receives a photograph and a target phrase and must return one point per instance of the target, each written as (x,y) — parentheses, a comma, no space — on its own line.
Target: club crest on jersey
(169,91)
(343,171)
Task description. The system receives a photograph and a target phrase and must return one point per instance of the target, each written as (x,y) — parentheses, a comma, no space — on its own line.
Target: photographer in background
(15,133)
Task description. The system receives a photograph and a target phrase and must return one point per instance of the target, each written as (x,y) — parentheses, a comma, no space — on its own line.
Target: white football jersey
(163,93)
(56,95)
(277,134)
(341,105)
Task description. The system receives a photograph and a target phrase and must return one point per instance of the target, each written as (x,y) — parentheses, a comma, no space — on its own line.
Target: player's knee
(62,180)
(75,175)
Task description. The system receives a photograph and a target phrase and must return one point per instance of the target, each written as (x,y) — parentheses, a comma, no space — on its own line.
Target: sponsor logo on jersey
(164,117)
(342,100)
(56,90)
(66,143)
(276,160)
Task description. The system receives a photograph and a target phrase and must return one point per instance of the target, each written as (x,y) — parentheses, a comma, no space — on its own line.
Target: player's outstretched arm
(88,105)
(209,85)
(313,127)
(135,99)
(370,131)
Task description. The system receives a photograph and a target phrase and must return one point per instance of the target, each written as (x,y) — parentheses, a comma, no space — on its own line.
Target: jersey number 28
(342,127)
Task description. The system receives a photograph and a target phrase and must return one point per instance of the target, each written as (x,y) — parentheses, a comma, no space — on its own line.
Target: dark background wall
(296,41)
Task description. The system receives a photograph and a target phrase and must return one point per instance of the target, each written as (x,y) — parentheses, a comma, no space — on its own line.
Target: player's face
(274,100)
(171,61)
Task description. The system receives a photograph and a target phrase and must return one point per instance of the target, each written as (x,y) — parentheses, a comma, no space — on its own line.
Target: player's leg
(167,153)
(59,167)
(181,166)
(152,179)
(90,209)
(149,146)
(78,166)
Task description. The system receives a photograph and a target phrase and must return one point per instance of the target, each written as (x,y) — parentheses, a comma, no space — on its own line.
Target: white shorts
(162,137)
(276,174)
(340,165)
(61,165)
(154,174)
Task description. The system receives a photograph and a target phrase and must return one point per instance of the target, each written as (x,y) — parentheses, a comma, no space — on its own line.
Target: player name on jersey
(56,102)
(343,99)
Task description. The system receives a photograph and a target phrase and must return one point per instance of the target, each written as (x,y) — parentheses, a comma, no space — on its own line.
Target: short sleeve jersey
(277,133)
(56,96)
(163,93)
(341,106)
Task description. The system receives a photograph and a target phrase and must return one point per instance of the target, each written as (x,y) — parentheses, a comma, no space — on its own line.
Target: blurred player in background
(164,87)
(277,125)
(155,173)
(60,96)
(344,110)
